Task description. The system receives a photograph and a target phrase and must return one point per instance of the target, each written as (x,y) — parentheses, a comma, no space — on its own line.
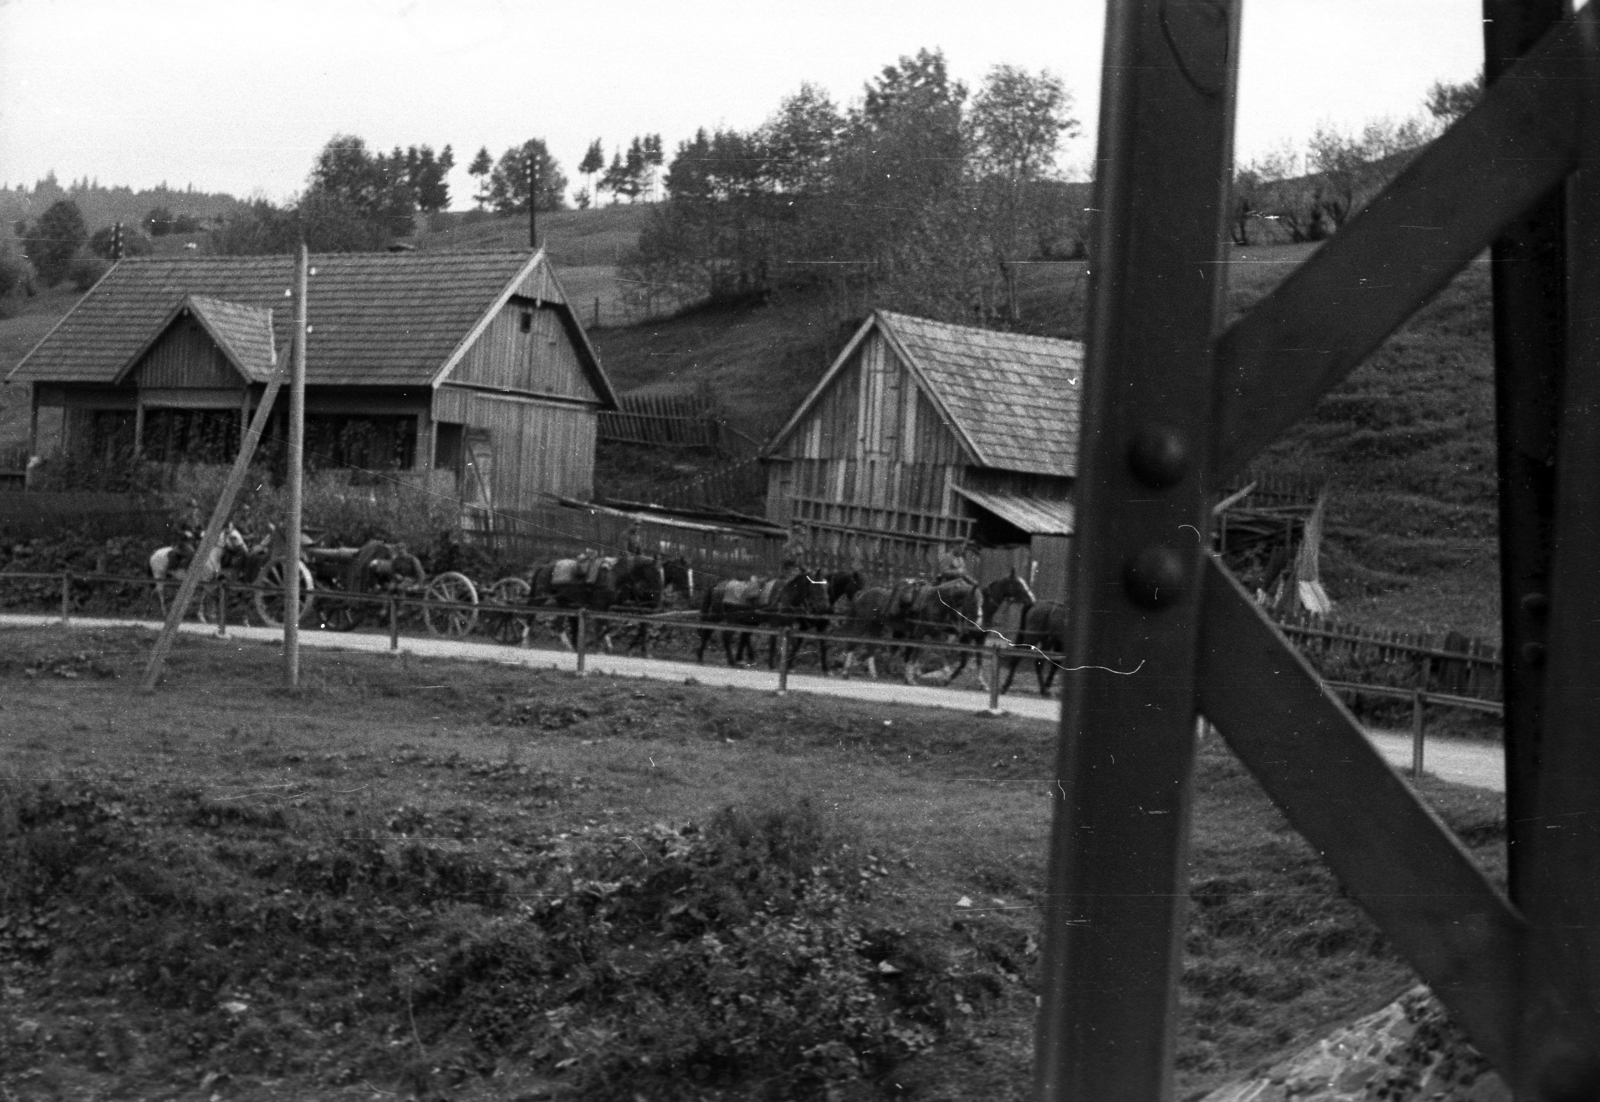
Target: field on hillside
(449,880)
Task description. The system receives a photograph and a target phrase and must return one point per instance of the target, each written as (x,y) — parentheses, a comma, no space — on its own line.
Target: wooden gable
(185,356)
(527,348)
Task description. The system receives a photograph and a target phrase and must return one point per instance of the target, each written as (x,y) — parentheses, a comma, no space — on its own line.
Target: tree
(1018,121)
(54,239)
(350,182)
(102,242)
(802,138)
(1448,102)
(594,160)
(158,222)
(508,183)
(1252,191)
(482,165)
(428,177)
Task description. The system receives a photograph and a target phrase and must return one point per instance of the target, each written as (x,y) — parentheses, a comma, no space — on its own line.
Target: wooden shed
(922,433)
(470,365)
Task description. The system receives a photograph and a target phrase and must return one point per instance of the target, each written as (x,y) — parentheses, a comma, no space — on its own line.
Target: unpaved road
(1459,760)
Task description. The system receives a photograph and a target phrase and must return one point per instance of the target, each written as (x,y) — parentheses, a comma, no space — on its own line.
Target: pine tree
(481,166)
(593,161)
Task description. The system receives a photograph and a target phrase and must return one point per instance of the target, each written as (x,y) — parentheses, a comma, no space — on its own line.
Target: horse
(867,614)
(677,592)
(842,585)
(174,561)
(951,609)
(634,580)
(761,602)
(1044,628)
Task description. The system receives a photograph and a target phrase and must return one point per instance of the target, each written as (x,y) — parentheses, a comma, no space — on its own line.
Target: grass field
(368,887)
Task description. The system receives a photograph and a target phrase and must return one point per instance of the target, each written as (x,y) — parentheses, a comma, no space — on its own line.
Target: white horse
(162,569)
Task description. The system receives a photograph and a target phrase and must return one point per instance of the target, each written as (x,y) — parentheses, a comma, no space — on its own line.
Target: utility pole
(296,458)
(116,241)
(533,188)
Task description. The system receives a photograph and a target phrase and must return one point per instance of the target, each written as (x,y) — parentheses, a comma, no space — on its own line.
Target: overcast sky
(238,95)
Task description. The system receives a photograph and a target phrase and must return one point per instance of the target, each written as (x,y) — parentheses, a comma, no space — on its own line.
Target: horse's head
(1009,588)
(845,583)
(805,593)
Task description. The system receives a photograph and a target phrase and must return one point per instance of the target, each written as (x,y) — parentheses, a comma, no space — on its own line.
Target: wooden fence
(737,485)
(665,420)
(1448,664)
(14,467)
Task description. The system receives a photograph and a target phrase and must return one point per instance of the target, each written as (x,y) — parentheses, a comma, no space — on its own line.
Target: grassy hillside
(1406,442)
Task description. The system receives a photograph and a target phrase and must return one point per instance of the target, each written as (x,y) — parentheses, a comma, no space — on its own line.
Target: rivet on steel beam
(1159,456)
(1533,654)
(1536,604)
(1155,577)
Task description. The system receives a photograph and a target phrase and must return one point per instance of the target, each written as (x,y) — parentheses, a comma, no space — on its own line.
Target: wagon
(342,580)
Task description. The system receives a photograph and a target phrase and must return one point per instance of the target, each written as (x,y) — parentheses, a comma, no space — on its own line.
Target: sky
(239,95)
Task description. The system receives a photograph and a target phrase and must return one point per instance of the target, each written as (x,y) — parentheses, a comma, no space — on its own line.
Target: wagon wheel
(269,593)
(340,614)
(507,627)
(454,588)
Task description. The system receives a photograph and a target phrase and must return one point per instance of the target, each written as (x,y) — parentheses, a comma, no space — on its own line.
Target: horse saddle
(753,593)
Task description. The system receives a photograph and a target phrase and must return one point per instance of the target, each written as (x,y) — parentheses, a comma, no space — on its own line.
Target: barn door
(477,483)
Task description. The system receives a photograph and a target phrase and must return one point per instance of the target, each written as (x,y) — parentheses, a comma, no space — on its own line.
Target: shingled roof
(1013,399)
(376,319)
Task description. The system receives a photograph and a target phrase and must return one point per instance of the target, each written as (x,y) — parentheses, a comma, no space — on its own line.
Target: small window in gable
(527,321)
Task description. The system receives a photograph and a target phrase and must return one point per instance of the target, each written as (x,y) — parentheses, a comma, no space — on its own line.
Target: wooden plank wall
(186,356)
(542,360)
(541,449)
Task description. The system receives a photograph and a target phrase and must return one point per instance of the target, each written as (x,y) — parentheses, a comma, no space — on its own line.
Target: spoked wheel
(269,593)
(506,627)
(342,614)
(454,589)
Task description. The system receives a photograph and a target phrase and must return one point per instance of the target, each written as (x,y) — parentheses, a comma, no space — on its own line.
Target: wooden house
(470,365)
(923,433)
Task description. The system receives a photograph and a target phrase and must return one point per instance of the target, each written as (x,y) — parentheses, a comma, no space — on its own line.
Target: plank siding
(186,356)
(541,449)
(542,359)
(540,287)
(868,474)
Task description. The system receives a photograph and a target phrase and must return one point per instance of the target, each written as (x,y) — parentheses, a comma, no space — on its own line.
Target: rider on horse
(953,564)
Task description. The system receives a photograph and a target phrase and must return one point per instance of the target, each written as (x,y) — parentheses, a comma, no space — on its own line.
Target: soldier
(633,539)
(953,564)
(795,552)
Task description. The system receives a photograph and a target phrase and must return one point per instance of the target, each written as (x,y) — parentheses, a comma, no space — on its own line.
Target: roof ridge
(918,319)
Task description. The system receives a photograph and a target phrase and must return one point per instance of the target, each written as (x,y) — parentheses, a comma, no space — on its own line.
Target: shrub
(85,271)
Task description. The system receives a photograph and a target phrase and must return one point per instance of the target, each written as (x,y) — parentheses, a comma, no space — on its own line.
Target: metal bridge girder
(1159,628)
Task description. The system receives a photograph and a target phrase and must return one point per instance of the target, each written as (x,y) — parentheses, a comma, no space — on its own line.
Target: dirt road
(1462,761)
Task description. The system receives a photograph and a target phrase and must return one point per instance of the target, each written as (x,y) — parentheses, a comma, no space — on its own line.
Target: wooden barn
(923,433)
(469,365)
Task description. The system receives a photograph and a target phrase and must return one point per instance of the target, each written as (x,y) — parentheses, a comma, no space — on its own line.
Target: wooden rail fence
(665,420)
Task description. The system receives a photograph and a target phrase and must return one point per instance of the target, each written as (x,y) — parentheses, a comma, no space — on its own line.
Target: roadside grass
(231,888)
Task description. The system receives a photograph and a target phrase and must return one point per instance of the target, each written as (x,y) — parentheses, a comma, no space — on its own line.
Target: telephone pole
(533,182)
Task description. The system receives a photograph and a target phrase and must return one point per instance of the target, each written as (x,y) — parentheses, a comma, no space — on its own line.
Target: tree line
(920,194)
(1282,196)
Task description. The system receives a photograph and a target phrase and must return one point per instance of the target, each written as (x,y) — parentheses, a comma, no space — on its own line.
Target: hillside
(1406,444)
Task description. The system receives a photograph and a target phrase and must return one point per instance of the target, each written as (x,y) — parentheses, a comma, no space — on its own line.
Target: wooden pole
(1416,733)
(533,182)
(296,461)
(213,533)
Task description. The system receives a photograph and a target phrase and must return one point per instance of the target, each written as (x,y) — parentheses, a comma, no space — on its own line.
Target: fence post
(992,661)
(1417,698)
(394,624)
(222,609)
(583,629)
(66,595)
(783,661)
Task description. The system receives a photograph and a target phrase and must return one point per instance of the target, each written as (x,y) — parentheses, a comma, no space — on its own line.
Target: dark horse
(677,593)
(1044,628)
(761,602)
(634,581)
(956,610)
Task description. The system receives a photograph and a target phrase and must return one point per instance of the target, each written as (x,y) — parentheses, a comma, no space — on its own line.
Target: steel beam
(1336,309)
(1388,849)
(1114,917)
(1559,878)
